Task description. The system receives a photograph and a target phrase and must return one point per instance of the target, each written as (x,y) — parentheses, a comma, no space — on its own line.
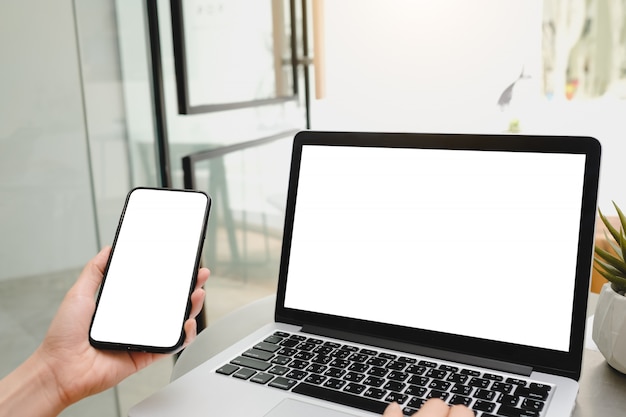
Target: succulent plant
(612,266)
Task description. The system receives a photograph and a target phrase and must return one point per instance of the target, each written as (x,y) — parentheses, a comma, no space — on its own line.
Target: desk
(602,390)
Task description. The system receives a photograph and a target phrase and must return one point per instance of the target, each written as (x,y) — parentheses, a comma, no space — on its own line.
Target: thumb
(393,410)
(91,277)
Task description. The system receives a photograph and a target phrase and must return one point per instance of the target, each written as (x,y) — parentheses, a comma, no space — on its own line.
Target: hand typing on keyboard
(431,408)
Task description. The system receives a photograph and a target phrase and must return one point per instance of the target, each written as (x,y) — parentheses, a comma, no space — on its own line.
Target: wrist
(31,389)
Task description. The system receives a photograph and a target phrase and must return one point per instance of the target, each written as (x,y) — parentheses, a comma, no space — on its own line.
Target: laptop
(416,266)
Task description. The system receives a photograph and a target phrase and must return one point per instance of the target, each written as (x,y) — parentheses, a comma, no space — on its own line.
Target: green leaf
(614,261)
(610,269)
(609,226)
(622,218)
(619,282)
(612,244)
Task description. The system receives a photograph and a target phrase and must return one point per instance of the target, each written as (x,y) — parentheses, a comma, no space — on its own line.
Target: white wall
(440,66)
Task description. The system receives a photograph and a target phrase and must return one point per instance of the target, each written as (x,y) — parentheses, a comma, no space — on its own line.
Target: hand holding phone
(144,298)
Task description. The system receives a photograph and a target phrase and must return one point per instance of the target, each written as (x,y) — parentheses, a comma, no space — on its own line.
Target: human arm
(65,368)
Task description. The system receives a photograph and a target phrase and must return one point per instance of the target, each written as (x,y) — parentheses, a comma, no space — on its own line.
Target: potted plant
(609,324)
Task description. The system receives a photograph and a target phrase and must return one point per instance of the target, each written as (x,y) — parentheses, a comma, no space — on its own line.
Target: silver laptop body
(413,266)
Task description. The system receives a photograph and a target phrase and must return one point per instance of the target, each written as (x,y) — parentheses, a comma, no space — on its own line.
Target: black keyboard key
(306,346)
(529,404)
(437,394)
(506,399)
(350,348)
(387,356)
(315,379)
(436,373)
(341,397)
(416,403)
(335,372)
(418,380)
(448,368)
(261,378)
(502,387)
(373,381)
(534,395)
(354,377)
(315,341)
(322,359)
(316,368)
(508,411)
(376,393)
(268,347)
(278,370)
(258,354)
(460,399)
(536,387)
(439,385)
(516,381)
(340,354)
(297,337)
(335,383)
(407,360)
(461,389)
(289,343)
(324,350)
(484,394)
(273,339)
(397,376)
(394,386)
(355,388)
(397,397)
(458,378)
(358,367)
(339,363)
(369,352)
(396,365)
(281,360)
(376,371)
(281,334)
(470,372)
(377,361)
(493,377)
(303,355)
(251,363)
(287,351)
(227,369)
(282,383)
(416,391)
(358,357)
(479,382)
(244,373)
(484,406)
(416,369)
(428,364)
(296,374)
(298,364)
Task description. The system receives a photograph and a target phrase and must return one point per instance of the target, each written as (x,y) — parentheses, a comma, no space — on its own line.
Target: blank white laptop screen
(455,241)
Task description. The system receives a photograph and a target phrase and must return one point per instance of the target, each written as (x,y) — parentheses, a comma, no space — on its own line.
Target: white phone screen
(144,298)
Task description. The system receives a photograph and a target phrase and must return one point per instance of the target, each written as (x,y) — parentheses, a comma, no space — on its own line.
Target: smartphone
(143,301)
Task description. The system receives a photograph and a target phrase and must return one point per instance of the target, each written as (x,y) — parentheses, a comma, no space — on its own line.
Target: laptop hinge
(421,350)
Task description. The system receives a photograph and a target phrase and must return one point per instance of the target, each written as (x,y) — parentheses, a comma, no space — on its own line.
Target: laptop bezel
(549,361)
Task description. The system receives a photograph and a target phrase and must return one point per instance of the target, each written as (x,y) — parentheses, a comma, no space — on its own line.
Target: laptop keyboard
(370,379)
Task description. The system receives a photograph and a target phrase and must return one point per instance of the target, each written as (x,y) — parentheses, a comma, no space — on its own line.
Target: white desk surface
(602,390)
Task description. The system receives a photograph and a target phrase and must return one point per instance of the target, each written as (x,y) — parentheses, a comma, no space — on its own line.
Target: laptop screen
(466,242)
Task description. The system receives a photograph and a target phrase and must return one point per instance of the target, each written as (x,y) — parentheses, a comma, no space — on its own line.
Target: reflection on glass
(235,50)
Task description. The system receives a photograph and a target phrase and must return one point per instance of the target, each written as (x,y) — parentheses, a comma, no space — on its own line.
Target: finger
(460,411)
(190,331)
(393,410)
(203,276)
(91,276)
(197,301)
(433,408)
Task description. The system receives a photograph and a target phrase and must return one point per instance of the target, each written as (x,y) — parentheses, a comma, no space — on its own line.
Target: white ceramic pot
(609,327)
